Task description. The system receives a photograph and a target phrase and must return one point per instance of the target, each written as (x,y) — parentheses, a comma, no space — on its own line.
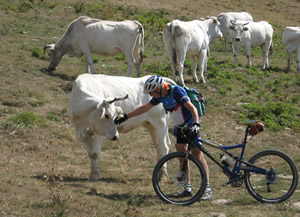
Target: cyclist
(181,111)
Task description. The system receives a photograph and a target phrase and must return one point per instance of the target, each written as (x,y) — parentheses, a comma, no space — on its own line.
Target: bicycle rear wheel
(174,182)
(280,182)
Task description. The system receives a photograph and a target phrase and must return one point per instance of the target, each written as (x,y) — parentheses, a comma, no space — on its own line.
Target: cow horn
(232,22)
(48,46)
(117,99)
(122,98)
(246,24)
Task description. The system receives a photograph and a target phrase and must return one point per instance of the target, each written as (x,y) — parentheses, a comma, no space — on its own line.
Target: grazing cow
(94,103)
(192,39)
(250,35)
(85,36)
(224,19)
(291,41)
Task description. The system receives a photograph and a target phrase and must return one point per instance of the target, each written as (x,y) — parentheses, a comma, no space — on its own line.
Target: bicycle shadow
(131,198)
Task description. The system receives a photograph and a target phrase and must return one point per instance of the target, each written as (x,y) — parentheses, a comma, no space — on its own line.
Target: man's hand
(121,118)
(195,128)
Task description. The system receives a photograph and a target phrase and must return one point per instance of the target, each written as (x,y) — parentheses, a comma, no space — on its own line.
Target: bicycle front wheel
(281,179)
(167,186)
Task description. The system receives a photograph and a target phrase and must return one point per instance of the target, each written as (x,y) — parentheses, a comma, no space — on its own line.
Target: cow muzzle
(237,39)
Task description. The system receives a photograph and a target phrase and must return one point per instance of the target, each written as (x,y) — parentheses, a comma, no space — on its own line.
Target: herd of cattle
(97,99)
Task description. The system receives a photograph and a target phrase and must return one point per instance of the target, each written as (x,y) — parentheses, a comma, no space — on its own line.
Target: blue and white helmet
(152,83)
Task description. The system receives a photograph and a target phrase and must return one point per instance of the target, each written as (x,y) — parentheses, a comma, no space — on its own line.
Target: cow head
(214,28)
(237,29)
(102,118)
(55,55)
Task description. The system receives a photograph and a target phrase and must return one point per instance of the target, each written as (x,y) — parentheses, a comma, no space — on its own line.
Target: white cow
(192,39)
(85,36)
(291,41)
(93,107)
(224,19)
(250,35)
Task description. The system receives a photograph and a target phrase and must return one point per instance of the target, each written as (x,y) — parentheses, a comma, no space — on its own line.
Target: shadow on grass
(59,75)
(76,179)
(132,199)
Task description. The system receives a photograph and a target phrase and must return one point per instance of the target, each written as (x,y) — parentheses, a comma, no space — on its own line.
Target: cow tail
(271,49)
(139,42)
(173,37)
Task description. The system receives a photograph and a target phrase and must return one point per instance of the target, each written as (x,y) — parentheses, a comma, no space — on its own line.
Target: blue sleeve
(155,101)
(180,95)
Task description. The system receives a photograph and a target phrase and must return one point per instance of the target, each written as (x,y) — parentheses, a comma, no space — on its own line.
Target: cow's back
(291,35)
(106,37)
(262,30)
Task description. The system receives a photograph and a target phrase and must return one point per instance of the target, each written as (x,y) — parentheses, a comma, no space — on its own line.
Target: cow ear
(215,21)
(119,110)
(102,112)
(245,29)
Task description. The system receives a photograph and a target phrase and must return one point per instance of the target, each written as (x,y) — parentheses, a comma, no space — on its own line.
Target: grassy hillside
(44,169)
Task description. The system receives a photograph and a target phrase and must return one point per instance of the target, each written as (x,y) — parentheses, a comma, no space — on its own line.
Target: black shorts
(179,138)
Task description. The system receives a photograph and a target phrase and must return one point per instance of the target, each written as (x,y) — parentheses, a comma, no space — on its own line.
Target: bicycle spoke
(168,187)
(278,184)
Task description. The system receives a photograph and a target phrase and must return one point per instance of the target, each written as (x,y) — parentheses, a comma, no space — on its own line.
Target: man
(181,111)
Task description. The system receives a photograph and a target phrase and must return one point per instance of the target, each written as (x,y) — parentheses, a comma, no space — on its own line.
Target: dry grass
(44,170)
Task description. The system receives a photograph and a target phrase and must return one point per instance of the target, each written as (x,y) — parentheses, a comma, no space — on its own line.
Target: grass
(44,169)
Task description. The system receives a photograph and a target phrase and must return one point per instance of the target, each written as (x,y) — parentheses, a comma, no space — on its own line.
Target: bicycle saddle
(248,123)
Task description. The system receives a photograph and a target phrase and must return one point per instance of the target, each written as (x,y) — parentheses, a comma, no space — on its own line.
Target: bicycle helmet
(152,83)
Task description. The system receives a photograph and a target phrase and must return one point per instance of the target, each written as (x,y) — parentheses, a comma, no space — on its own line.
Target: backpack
(196,98)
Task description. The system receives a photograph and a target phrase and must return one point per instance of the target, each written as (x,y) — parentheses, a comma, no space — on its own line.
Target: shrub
(276,115)
(26,120)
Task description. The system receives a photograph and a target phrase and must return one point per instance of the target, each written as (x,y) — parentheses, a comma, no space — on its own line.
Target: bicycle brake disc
(180,179)
(272,177)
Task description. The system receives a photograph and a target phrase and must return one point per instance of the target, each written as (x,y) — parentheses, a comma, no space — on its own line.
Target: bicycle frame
(238,159)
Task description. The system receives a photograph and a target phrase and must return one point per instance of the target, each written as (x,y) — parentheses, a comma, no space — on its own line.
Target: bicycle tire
(274,188)
(166,186)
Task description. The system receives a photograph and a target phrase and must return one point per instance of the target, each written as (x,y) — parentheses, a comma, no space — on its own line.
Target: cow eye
(106,116)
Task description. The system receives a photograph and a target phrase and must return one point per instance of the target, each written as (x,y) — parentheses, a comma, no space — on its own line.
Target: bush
(26,120)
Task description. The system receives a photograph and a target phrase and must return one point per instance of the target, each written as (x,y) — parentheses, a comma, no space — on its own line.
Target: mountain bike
(270,176)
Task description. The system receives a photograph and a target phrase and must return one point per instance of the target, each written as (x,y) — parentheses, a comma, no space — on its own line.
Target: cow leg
(288,61)
(226,42)
(202,64)
(174,71)
(138,57)
(181,66)
(235,53)
(298,59)
(130,63)
(160,137)
(248,50)
(90,63)
(93,147)
(194,68)
(265,52)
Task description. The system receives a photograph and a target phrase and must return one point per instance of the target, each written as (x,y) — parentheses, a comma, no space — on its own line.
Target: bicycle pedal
(226,183)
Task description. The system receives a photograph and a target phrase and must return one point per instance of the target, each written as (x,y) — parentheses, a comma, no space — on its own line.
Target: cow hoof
(93,178)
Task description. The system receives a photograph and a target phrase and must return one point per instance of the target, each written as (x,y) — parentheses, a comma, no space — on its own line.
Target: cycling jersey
(178,112)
